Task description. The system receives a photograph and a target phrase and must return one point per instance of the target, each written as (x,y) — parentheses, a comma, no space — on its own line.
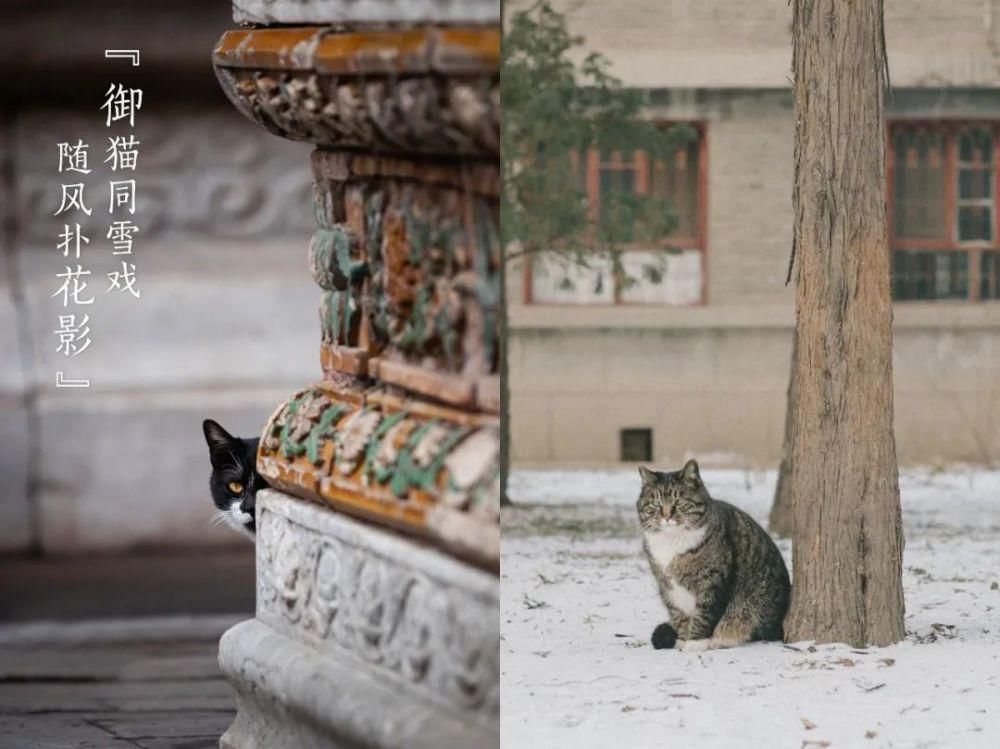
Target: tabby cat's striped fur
(720,575)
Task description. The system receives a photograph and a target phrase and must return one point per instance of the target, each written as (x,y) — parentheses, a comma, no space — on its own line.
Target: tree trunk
(782,512)
(504,385)
(848,539)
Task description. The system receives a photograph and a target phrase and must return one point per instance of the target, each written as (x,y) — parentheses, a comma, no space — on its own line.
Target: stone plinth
(362,638)
(378,548)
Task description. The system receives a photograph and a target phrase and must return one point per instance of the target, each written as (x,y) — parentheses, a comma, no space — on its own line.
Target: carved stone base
(362,638)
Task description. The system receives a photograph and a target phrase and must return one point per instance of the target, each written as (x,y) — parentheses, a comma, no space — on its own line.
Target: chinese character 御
(122,103)
(72,197)
(122,193)
(70,240)
(73,157)
(124,281)
(73,286)
(122,152)
(74,337)
(120,233)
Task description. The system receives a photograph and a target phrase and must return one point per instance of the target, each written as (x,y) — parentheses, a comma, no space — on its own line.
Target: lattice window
(674,278)
(943,210)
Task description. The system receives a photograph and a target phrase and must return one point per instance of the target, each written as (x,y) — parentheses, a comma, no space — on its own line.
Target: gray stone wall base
(289,696)
(362,638)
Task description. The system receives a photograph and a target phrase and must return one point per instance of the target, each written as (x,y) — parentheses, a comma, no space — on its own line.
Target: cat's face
(234,482)
(675,499)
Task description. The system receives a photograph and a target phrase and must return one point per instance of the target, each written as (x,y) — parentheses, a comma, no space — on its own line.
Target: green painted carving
(292,434)
(418,234)
(381,473)
(330,321)
(487,280)
(411,471)
(330,260)
(414,333)
(323,430)
(373,228)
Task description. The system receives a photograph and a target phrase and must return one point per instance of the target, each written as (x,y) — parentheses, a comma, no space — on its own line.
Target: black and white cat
(234,482)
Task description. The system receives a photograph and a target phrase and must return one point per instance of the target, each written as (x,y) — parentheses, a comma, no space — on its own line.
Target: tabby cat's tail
(664,636)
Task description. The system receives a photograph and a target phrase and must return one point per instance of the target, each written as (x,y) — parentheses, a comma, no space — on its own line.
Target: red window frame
(591,179)
(951,243)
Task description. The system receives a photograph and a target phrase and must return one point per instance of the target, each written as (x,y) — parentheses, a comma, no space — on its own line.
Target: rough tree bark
(781,521)
(848,541)
(504,384)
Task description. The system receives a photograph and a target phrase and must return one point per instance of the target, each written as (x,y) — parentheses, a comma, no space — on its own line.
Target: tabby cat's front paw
(694,646)
(664,636)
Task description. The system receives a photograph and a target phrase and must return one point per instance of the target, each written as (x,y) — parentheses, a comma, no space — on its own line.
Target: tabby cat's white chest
(668,542)
(664,546)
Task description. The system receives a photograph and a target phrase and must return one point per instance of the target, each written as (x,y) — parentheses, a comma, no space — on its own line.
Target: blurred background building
(123,465)
(699,363)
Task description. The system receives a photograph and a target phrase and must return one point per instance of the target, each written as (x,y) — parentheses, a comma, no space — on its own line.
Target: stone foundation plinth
(363,638)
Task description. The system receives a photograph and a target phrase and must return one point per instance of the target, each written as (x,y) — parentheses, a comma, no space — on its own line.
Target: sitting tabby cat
(235,482)
(720,575)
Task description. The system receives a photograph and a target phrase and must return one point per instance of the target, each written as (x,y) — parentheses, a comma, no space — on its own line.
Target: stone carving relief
(412,115)
(440,639)
(194,178)
(390,460)
(409,271)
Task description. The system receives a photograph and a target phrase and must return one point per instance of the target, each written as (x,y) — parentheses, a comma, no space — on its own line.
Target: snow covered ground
(578,604)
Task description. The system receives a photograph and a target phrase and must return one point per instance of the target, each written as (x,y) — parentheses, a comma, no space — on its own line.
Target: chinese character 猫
(72,197)
(74,337)
(120,233)
(73,158)
(122,193)
(122,152)
(124,281)
(73,278)
(70,240)
(122,103)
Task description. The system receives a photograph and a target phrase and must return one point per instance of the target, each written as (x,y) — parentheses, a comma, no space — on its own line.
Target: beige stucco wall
(711,383)
(746,43)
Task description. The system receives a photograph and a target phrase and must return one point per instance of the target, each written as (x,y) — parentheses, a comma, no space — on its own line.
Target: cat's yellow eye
(235,487)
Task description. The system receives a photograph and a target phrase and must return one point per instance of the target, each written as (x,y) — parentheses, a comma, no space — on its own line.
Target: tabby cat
(720,575)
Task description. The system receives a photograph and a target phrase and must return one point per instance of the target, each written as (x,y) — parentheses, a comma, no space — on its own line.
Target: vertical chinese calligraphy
(73,331)
(121,105)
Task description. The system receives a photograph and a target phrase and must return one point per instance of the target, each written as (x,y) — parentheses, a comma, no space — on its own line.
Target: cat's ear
(216,437)
(648,476)
(690,472)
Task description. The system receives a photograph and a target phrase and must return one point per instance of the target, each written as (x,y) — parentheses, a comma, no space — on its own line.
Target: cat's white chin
(238,520)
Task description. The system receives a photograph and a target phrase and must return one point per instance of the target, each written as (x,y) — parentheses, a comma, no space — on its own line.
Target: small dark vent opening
(636,445)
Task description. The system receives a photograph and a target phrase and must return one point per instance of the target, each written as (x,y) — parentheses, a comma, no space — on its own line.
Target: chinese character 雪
(120,233)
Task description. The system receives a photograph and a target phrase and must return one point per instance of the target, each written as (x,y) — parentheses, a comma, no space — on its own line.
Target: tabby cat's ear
(648,476)
(216,437)
(690,472)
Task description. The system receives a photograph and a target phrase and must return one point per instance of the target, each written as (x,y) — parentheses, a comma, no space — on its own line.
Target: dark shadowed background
(105,506)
